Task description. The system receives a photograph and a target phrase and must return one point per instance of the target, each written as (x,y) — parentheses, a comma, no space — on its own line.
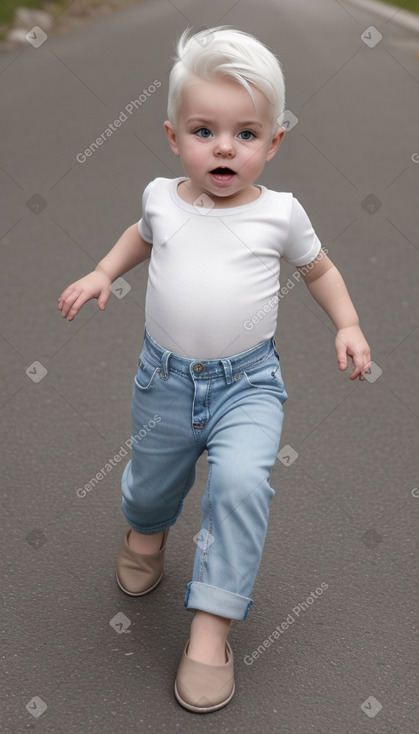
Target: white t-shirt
(213,277)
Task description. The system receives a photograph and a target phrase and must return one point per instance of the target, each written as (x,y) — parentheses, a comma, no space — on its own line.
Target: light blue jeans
(233,409)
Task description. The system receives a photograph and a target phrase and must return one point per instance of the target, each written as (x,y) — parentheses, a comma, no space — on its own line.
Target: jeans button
(198,367)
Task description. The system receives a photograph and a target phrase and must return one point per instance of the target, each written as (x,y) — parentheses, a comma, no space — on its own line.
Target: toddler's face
(223,140)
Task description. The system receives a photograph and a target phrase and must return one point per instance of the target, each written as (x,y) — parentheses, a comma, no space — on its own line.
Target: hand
(351,341)
(94,285)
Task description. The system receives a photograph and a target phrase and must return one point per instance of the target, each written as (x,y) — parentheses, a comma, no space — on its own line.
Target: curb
(403,18)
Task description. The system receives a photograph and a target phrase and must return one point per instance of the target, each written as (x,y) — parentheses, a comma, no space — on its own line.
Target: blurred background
(346,506)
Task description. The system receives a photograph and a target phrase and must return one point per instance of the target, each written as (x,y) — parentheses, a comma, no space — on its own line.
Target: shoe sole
(137,593)
(207,709)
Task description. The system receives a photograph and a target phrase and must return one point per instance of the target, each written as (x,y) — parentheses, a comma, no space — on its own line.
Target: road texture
(338,579)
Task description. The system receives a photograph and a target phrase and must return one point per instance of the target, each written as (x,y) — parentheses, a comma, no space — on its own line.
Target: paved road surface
(346,509)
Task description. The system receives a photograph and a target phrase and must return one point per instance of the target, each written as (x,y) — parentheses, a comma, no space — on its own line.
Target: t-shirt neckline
(216,211)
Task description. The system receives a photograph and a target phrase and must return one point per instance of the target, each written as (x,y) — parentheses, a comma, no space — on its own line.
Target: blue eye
(246,135)
(203,132)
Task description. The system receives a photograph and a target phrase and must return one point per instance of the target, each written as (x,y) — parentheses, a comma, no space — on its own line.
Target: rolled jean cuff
(146,529)
(218,601)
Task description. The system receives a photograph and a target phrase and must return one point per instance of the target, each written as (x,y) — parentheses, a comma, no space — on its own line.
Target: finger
(341,355)
(362,368)
(103,298)
(64,296)
(354,374)
(76,306)
(68,303)
(366,369)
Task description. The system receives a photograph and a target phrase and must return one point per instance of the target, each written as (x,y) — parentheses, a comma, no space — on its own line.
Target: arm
(327,287)
(130,250)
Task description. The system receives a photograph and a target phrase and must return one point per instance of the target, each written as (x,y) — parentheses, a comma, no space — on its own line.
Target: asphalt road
(346,507)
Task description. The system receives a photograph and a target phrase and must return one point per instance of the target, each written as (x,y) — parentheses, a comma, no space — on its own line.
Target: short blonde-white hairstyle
(214,53)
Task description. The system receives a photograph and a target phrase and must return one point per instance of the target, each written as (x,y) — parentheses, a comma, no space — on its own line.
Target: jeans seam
(207,401)
(151,380)
(204,555)
(185,490)
(258,360)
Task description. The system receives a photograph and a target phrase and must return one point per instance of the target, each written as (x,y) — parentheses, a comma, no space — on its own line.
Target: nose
(224,147)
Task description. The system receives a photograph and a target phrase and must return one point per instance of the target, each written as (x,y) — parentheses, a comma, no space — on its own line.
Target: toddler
(205,380)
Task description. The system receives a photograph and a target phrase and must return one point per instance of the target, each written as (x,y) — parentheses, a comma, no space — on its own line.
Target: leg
(158,476)
(242,446)
(162,466)
(208,637)
(242,438)
(235,511)
(140,543)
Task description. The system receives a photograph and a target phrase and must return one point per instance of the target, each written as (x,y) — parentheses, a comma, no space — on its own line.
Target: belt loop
(163,370)
(273,343)
(227,370)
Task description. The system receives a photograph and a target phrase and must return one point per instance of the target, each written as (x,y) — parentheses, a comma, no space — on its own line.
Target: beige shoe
(203,688)
(139,573)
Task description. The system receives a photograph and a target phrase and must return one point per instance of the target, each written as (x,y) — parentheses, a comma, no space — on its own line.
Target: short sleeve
(143,225)
(302,245)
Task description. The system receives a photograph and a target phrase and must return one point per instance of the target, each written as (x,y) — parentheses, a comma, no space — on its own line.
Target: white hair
(214,53)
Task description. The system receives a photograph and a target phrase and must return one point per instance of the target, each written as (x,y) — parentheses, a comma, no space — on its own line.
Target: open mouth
(221,171)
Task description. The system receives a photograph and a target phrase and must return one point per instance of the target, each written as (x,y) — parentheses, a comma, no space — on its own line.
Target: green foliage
(8,8)
(412,5)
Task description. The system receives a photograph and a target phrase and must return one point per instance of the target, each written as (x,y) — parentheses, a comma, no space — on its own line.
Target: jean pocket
(266,375)
(145,375)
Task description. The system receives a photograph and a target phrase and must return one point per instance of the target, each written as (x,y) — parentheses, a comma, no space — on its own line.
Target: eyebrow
(207,121)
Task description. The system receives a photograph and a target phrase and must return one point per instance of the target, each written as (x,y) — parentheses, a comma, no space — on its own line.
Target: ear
(275,143)
(171,136)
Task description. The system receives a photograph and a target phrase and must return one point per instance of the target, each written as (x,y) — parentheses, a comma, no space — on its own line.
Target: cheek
(195,153)
(255,161)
